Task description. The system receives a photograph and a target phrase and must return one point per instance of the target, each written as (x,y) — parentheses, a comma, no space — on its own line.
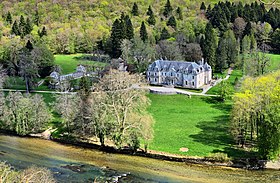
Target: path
(208,87)
(35,91)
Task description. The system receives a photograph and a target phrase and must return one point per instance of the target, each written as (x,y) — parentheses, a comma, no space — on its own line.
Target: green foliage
(255,115)
(15,29)
(172,22)
(151,20)
(26,114)
(28,26)
(167,9)
(202,6)
(209,45)
(164,34)
(179,13)
(143,32)
(135,11)
(22,26)
(219,157)
(9,18)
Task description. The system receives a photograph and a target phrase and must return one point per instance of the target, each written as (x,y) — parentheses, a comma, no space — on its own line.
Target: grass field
(68,63)
(197,123)
(235,74)
(275,62)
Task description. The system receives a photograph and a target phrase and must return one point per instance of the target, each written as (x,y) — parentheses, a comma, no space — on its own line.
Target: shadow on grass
(216,133)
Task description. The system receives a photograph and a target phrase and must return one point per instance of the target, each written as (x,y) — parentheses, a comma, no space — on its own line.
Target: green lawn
(235,74)
(275,62)
(68,63)
(198,123)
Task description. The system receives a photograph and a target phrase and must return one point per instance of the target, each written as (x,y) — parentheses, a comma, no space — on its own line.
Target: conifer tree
(151,20)
(164,34)
(248,29)
(221,56)
(167,9)
(29,45)
(15,29)
(43,32)
(22,27)
(135,11)
(179,13)
(150,11)
(172,22)
(28,26)
(129,32)
(117,35)
(210,45)
(9,18)
(37,18)
(202,6)
(143,32)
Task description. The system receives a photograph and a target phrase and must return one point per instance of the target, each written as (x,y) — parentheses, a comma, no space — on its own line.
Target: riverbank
(242,163)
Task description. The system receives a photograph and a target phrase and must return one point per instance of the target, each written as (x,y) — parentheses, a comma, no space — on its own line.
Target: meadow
(197,123)
(69,63)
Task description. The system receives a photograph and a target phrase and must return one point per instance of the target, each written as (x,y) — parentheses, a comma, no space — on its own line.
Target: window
(155,79)
(149,73)
(186,82)
(155,73)
(193,83)
(193,77)
(165,74)
(149,79)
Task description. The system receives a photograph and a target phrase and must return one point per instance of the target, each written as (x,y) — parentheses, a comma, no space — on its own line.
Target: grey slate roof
(177,66)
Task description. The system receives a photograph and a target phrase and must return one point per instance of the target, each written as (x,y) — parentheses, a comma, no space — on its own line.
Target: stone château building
(177,73)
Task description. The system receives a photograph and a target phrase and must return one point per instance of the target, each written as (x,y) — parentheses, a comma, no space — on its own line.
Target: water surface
(93,164)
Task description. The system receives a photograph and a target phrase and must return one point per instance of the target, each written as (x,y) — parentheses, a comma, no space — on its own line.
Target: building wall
(189,80)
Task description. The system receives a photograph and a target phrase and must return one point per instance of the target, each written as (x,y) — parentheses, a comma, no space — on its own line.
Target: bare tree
(126,108)
(67,105)
(168,50)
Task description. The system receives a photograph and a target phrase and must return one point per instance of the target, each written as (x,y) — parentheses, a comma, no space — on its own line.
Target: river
(93,164)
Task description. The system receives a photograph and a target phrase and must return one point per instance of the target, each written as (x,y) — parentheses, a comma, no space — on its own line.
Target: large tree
(143,32)
(209,45)
(26,114)
(255,115)
(127,106)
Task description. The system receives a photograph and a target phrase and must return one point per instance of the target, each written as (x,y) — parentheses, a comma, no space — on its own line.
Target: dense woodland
(138,32)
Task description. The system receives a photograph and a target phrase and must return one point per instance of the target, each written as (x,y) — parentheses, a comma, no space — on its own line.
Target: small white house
(177,73)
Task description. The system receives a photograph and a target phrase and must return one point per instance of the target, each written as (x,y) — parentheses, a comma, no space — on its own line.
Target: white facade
(183,74)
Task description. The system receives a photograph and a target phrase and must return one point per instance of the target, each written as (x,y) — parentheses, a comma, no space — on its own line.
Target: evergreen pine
(210,45)
(143,32)
(151,20)
(43,32)
(15,29)
(9,18)
(129,28)
(135,11)
(22,27)
(202,6)
(29,45)
(248,29)
(172,22)
(37,18)
(179,13)
(150,11)
(221,56)
(164,34)
(167,9)
(28,26)
(117,35)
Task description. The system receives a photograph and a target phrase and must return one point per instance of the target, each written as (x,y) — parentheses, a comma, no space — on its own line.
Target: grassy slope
(275,62)
(234,74)
(68,63)
(198,123)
